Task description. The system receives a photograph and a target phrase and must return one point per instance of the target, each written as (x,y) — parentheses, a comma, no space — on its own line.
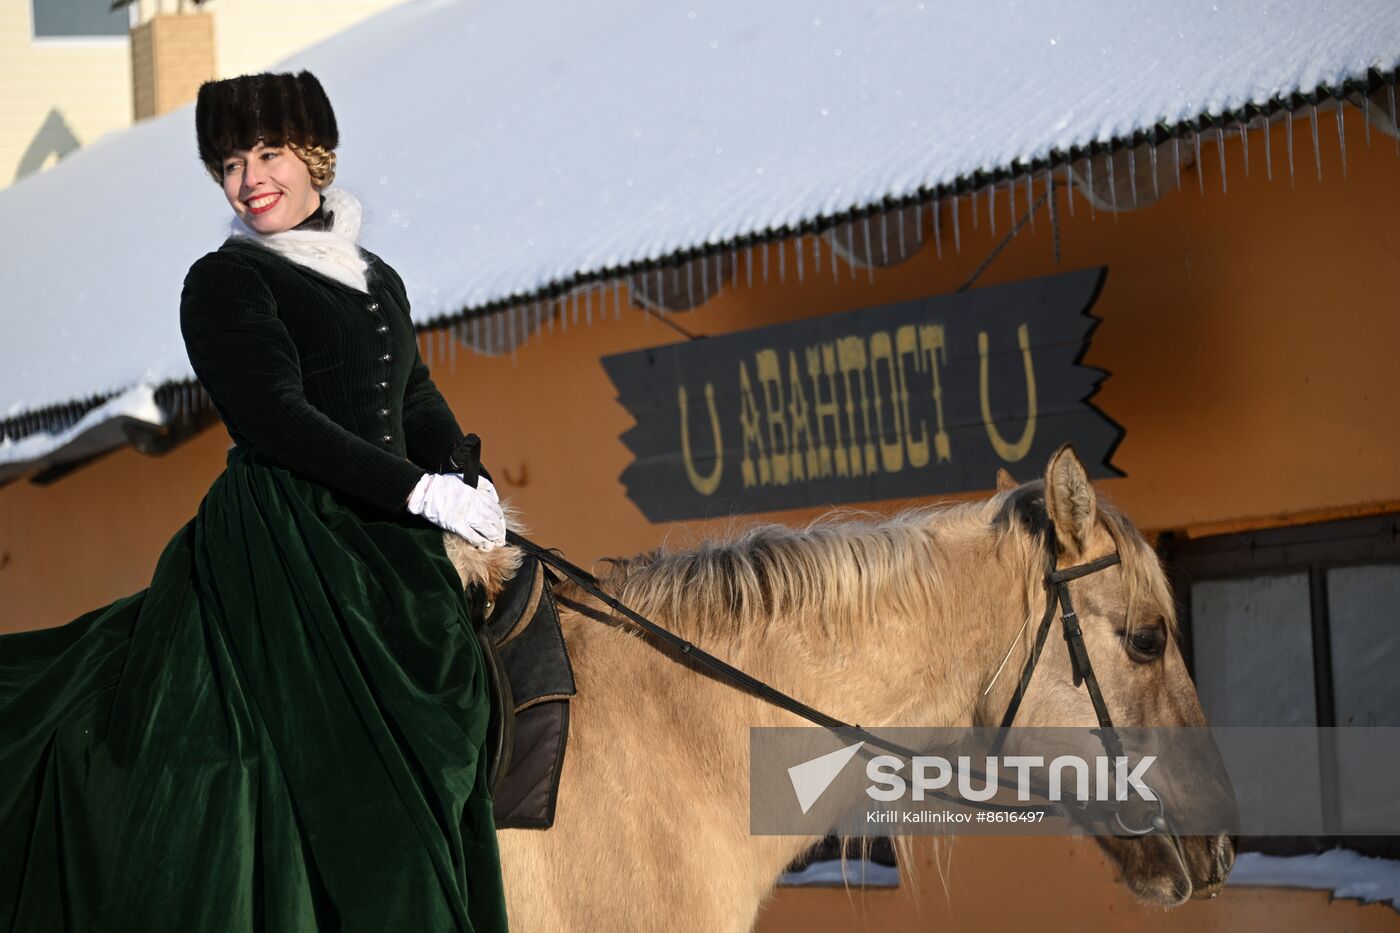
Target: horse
(904,620)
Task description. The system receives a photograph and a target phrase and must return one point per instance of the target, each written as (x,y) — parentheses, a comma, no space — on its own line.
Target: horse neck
(908,652)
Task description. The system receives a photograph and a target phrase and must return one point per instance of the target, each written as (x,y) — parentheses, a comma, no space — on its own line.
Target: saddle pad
(532,660)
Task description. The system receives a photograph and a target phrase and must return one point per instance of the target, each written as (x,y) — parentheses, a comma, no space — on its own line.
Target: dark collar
(320,219)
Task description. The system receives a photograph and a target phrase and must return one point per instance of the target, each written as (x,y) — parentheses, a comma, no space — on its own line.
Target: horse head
(1129,628)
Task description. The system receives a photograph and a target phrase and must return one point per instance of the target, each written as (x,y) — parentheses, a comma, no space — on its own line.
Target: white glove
(482,485)
(473,514)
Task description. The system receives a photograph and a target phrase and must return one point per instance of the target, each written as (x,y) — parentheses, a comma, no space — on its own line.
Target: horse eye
(1147,644)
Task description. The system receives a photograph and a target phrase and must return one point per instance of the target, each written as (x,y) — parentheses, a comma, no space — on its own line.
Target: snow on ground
(1345,873)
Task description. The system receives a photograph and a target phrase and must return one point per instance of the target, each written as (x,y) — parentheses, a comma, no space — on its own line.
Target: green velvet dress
(282,732)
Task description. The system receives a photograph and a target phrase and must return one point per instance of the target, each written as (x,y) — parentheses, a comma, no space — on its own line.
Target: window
(1298,626)
(821,866)
(78,19)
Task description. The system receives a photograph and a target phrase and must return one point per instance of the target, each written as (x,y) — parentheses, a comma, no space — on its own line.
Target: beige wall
(57,95)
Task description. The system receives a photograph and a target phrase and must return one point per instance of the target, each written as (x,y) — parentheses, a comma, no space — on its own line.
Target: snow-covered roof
(506,148)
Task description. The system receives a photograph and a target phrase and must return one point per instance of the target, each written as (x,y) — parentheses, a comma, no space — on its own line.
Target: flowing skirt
(282,732)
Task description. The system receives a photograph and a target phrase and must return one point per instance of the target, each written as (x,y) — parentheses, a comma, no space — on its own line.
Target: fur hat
(277,108)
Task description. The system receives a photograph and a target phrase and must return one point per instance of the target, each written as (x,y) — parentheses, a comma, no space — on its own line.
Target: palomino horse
(897,622)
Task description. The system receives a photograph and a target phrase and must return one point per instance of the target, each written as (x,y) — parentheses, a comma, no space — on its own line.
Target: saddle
(531,680)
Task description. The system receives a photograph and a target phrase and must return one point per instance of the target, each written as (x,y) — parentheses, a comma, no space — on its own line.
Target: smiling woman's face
(269,187)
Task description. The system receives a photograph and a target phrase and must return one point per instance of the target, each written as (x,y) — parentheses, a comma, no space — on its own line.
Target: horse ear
(1005,482)
(1070,499)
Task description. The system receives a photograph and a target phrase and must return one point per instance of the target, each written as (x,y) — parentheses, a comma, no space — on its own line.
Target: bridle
(1057,595)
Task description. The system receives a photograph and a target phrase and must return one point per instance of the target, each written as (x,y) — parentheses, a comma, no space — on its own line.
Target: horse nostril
(1224,855)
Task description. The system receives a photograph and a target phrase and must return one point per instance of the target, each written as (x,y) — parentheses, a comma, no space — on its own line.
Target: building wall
(1251,338)
(59,94)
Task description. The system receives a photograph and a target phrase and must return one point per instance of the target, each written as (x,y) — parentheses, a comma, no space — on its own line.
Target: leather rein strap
(1057,585)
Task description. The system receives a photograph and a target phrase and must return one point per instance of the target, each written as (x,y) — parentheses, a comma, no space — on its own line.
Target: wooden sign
(919,398)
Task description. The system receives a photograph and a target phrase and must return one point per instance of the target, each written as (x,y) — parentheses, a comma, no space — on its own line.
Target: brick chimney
(171,55)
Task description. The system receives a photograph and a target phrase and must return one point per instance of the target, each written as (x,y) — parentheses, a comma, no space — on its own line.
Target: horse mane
(837,571)
(848,567)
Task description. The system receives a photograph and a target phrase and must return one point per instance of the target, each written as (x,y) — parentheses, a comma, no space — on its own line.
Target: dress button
(383,385)
(386,357)
(384,412)
(383,328)
(374,306)
(388,438)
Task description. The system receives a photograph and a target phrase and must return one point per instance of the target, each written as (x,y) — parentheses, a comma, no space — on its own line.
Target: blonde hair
(319,160)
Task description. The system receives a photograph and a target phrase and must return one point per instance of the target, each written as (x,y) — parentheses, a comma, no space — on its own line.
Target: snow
(100,429)
(1345,873)
(499,147)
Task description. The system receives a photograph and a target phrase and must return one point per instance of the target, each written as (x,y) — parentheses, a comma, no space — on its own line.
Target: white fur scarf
(333,252)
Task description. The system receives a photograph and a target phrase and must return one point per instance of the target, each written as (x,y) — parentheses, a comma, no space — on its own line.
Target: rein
(1057,586)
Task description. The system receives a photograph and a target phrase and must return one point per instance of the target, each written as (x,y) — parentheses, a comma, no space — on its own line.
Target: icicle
(817,252)
(1268,149)
(991,209)
(514,345)
(1244,142)
(1342,134)
(884,238)
(1289,136)
(937,228)
(782,260)
(869,255)
(1317,149)
(1200,168)
(1089,178)
(564,312)
(851,247)
(1366,116)
(1152,159)
(835,276)
(690,285)
(765,262)
(973,196)
(617,298)
(1132,173)
(1176,157)
(704,279)
(719,272)
(1069,188)
(903,220)
(588,306)
(957,234)
(1011,202)
(800,249)
(748,265)
(1220,151)
(919,224)
(1112,186)
(1054,212)
(1030,199)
